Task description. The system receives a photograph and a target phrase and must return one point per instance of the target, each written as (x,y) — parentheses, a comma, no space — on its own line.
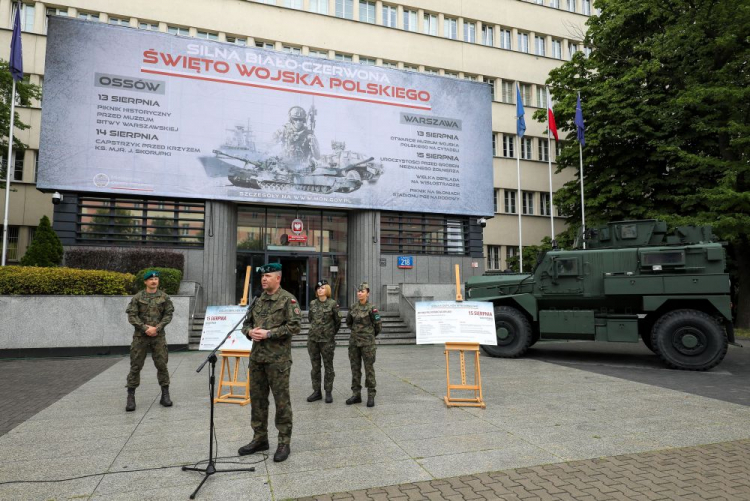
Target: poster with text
(135,112)
(453,322)
(218,321)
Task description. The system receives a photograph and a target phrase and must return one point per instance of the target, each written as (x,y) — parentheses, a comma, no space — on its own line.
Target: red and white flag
(551,117)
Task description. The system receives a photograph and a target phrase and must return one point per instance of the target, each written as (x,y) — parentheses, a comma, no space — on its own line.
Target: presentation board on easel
(218,321)
(455,322)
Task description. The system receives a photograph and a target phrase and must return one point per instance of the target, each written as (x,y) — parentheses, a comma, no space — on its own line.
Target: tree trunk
(742,307)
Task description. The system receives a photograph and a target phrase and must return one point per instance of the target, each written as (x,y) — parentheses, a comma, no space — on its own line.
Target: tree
(25,94)
(666,99)
(45,250)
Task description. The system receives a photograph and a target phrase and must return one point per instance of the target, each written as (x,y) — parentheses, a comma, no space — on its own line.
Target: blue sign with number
(406,261)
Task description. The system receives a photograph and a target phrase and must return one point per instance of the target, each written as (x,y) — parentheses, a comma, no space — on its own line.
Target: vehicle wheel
(513,333)
(689,340)
(353,175)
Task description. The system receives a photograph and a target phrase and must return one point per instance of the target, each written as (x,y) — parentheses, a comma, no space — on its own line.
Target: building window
(572,49)
(135,222)
(488,36)
(450,74)
(36,165)
(586,4)
(528,203)
(470,32)
(523,42)
(390,16)
(27,16)
(12,249)
(410,20)
(410,68)
(473,78)
(431,71)
(450,28)
(510,202)
(367,60)
(367,12)
(505,39)
(423,233)
(511,251)
(430,24)
(264,45)
(587,51)
(319,6)
(557,49)
(539,46)
(558,148)
(540,2)
(291,50)
(493,257)
(87,16)
(526,94)
(119,21)
(343,57)
(541,96)
(544,205)
(242,42)
(293,4)
(571,5)
(555,4)
(390,64)
(267,2)
(322,54)
(207,35)
(491,83)
(149,26)
(543,150)
(527,145)
(178,30)
(495,197)
(17,166)
(509,95)
(509,146)
(345,9)
(494,146)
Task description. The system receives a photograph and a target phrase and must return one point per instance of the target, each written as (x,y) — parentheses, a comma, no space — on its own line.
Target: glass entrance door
(298,276)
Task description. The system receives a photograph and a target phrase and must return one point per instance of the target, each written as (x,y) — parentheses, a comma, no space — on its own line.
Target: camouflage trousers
(325,351)
(273,377)
(159,354)
(358,355)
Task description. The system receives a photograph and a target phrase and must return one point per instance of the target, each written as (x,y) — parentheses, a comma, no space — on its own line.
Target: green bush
(31,280)
(46,249)
(123,260)
(169,279)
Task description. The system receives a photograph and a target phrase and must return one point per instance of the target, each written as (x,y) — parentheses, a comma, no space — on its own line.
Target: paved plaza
(555,427)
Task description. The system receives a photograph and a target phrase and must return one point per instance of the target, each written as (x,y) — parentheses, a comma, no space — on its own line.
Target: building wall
(284,28)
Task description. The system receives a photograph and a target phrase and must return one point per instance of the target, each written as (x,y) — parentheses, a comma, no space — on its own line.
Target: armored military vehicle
(623,282)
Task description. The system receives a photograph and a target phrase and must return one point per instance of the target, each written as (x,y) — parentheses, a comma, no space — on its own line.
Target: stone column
(219,253)
(364,253)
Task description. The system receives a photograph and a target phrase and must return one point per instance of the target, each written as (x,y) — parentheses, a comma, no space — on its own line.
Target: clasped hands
(258,334)
(151,330)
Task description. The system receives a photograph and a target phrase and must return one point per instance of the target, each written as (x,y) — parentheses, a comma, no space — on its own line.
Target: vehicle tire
(513,333)
(689,340)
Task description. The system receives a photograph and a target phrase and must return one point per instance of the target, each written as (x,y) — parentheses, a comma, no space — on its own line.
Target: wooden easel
(461,348)
(230,397)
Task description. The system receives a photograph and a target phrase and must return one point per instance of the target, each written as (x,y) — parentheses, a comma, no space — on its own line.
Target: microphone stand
(210,469)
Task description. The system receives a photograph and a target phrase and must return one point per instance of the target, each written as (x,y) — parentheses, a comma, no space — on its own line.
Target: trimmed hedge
(28,280)
(169,279)
(123,260)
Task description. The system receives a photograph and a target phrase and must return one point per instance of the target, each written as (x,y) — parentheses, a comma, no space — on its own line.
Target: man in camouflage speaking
(271,322)
(149,312)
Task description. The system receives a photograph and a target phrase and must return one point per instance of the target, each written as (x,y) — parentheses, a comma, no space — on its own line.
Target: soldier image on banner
(325,322)
(271,323)
(149,312)
(297,138)
(364,321)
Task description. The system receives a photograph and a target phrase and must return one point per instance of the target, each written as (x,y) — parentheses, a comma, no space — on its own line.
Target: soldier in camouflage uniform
(298,140)
(271,323)
(325,322)
(149,312)
(364,321)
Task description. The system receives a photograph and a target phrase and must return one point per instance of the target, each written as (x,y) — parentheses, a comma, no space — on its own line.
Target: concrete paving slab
(467,463)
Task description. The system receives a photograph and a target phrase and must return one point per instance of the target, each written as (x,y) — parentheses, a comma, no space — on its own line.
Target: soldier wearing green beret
(325,322)
(271,322)
(149,312)
(364,321)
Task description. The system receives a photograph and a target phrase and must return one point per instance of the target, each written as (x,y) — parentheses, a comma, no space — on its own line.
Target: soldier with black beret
(149,312)
(364,321)
(271,323)
(325,322)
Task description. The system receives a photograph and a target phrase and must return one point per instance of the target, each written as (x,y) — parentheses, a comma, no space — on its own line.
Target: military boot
(315,396)
(165,401)
(257,445)
(370,400)
(282,452)
(329,397)
(354,399)
(130,404)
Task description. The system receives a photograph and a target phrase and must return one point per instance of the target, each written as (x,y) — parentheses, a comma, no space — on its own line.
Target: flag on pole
(521,122)
(580,127)
(16,56)
(551,117)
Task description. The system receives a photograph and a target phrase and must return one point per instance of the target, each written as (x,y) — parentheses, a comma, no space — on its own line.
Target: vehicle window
(676,257)
(566,267)
(629,231)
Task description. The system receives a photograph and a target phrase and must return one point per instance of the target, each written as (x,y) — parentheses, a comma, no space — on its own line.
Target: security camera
(57,198)
(482,222)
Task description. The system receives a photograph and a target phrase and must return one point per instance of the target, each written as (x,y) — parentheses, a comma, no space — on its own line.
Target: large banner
(129,111)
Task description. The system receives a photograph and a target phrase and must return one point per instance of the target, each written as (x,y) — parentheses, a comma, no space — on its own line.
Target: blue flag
(580,127)
(16,56)
(521,124)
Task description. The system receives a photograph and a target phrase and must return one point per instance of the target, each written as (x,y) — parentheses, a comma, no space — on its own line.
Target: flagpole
(7,170)
(583,210)
(549,159)
(518,207)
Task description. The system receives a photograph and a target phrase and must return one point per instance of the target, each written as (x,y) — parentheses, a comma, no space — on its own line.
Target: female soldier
(364,321)
(325,322)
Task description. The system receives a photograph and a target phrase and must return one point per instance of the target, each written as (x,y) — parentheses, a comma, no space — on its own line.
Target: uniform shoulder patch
(296,310)
(375,310)
(294,301)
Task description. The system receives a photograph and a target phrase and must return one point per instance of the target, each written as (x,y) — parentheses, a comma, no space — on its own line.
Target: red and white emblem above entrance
(297,228)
